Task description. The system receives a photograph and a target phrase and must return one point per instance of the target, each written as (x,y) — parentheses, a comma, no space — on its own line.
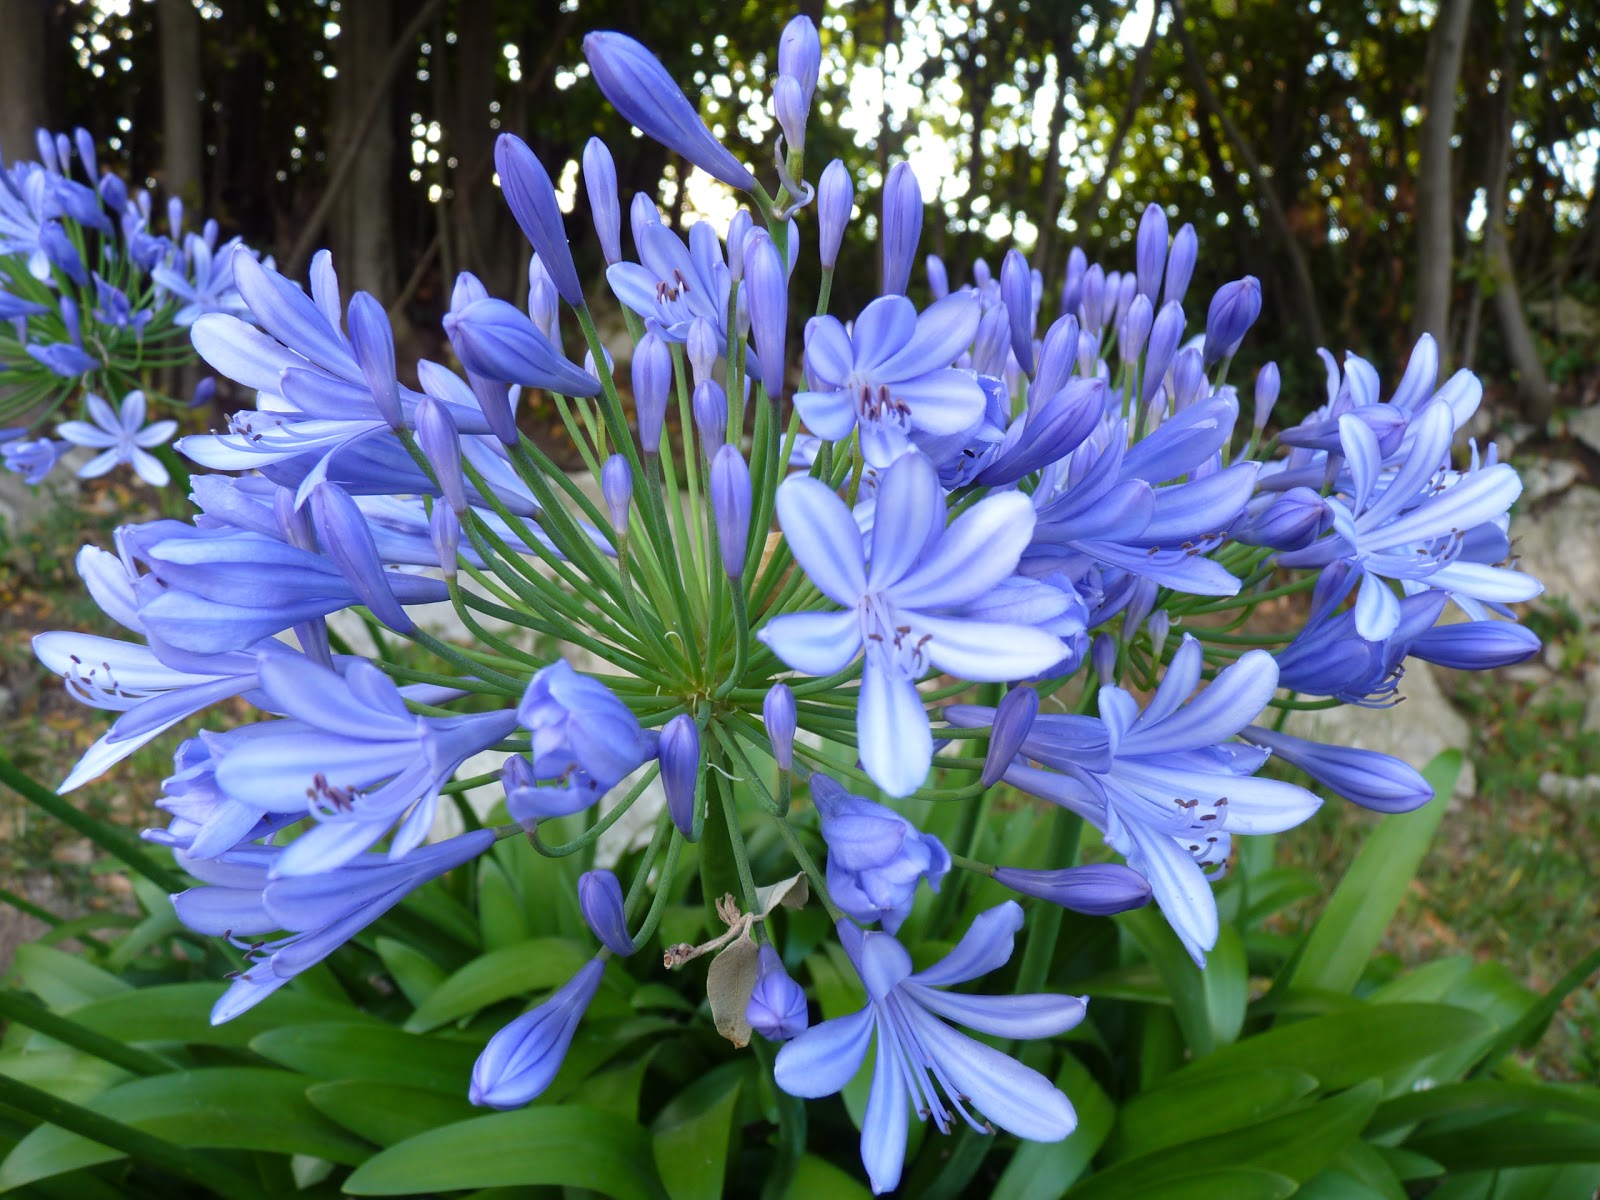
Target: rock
(1561,546)
(1423,725)
(1566,787)
(1584,424)
(1546,477)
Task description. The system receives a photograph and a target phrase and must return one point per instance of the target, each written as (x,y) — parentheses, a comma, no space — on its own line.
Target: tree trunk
(1435,214)
(363,213)
(23,100)
(179,27)
(1130,106)
(1305,294)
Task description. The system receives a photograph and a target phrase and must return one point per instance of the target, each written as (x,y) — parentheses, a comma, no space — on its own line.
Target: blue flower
(579,725)
(875,856)
(910,609)
(121,437)
(892,375)
(919,1056)
(777,1007)
(522,1059)
(34,458)
(1165,786)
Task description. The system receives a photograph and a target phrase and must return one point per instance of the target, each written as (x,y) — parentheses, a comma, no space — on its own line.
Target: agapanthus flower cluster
(944,544)
(98,290)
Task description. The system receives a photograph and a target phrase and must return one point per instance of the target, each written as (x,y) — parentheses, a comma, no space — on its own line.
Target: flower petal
(1033,1016)
(825,1057)
(980,549)
(816,643)
(895,740)
(986,946)
(824,538)
(988,651)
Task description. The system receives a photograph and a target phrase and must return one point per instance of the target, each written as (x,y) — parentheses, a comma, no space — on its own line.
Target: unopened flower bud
(767,285)
(544,309)
(1159,625)
(1012,721)
(440,443)
(444,527)
(1103,654)
(1072,286)
(791,109)
(1150,251)
(1180,264)
(641,212)
(1189,385)
(1099,889)
(730,505)
(640,88)
(532,198)
(1016,291)
(835,198)
(652,385)
(1165,334)
(901,227)
(739,226)
(1233,310)
(703,348)
(938,277)
(522,1059)
(1091,302)
(711,416)
(1266,394)
(778,715)
(616,486)
(1291,521)
(1135,328)
(600,901)
(777,1008)
(679,753)
(800,55)
(605,209)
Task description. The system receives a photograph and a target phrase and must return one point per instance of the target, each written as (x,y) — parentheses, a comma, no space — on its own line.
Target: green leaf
(1226,985)
(233,1108)
(63,981)
(388,1113)
(1205,1105)
(1577,1181)
(499,908)
(181,1012)
(1297,1145)
(1045,1170)
(1366,899)
(694,1134)
(1485,1098)
(539,965)
(568,1146)
(1513,1142)
(616,1089)
(819,1179)
(1359,1173)
(414,972)
(65,1073)
(1373,1041)
(1139,982)
(1273,891)
(1182,978)
(371,1052)
(1236,1183)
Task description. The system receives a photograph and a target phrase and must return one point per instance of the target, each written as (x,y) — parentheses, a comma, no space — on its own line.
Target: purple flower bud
(703,347)
(1056,360)
(1291,521)
(642,212)
(605,209)
(1233,310)
(1016,290)
(532,198)
(1091,303)
(347,540)
(730,505)
(85,142)
(639,87)
(600,901)
(901,228)
(1266,394)
(835,198)
(1165,335)
(1150,251)
(1103,654)
(441,446)
(373,341)
(992,343)
(791,108)
(1135,328)
(679,753)
(1366,777)
(777,1008)
(1160,626)
(1189,384)
(522,1059)
(1180,264)
(738,234)
(114,192)
(980,274)
(205,393)
(616,485)
(444,527)
(652,384)
(543,307)
(938,277)
(1127,289)
(800,55)
(1476,645)
(1098,890)
(64,153)
(767,285)
(498,341)
(778,715)
(1012,721)
(1072,286)
(47,150)
(711,416)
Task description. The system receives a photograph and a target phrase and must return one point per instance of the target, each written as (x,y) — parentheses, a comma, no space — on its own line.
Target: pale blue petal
(885,1123)
(824,538)
(988,652)
(986,946)
(910,513)
(1180,888)
(829,415)
(816,643)
(1034,1016)
(825,1057)
(1233,700)
(1377,608)
(980,549)
(829,355)
(895,741)
(943,332)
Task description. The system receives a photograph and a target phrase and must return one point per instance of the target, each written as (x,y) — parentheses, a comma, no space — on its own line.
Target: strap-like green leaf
(534,966)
